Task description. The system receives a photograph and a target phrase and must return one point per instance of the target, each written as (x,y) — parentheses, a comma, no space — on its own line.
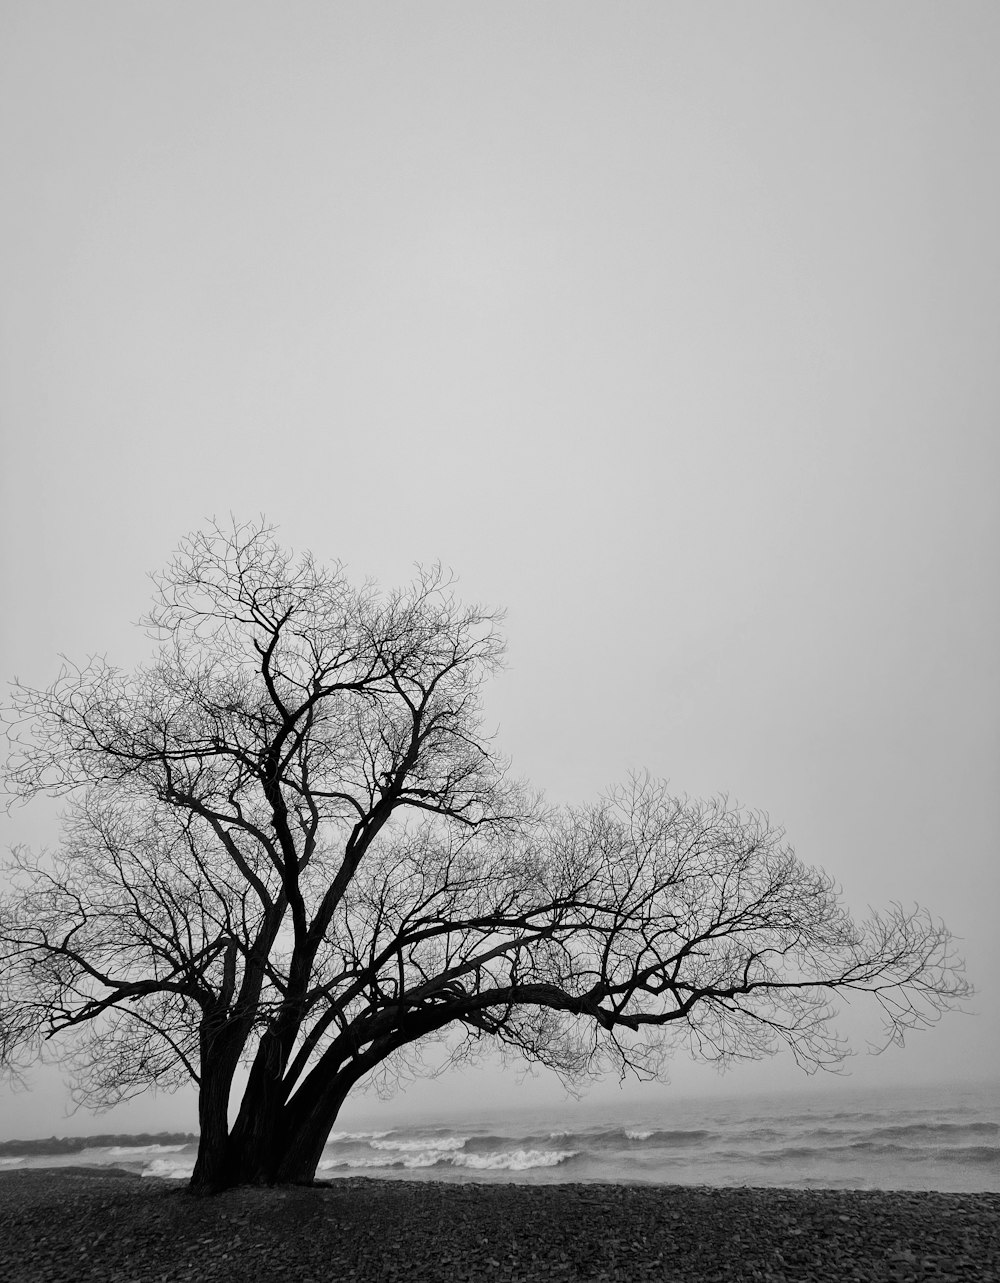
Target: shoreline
(76,1223)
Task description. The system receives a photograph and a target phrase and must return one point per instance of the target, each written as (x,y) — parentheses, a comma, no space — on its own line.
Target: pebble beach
(82,1224)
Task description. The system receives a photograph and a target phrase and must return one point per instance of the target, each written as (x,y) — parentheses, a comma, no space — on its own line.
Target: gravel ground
(76,1224)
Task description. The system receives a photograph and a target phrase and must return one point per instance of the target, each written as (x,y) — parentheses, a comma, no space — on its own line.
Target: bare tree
(289,847)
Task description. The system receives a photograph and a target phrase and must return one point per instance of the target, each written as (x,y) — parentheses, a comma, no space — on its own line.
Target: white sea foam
(439,1145)
(426,1158)
(513,1160)
(338,1164)
(174,1169)
(16,1161)
(636,1134)
(411,1160)
(138,1151)
(348,1136)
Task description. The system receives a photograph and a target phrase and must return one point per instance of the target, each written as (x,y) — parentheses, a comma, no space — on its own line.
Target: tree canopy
(289,846)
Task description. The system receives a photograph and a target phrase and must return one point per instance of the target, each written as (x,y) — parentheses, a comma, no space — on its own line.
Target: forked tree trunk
(220,1046)
(308,1121)
(275,1140)
(272,1142)
(255,1143)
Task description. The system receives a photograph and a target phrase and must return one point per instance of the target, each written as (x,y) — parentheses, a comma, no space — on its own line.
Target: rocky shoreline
(82,1224)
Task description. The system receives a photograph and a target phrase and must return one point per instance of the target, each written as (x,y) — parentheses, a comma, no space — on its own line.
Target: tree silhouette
(288,846)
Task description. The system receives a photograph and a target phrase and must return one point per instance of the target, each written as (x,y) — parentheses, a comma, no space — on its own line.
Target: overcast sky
(671,327)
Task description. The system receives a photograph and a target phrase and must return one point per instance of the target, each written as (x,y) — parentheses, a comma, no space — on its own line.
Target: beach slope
(79,1224)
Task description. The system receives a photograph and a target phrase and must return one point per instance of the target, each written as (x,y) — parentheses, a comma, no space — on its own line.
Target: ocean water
(946,1139)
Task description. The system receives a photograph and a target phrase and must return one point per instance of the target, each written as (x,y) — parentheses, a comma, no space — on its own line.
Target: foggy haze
(671,328)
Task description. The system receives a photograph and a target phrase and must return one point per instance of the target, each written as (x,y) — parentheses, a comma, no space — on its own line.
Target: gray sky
(671,327)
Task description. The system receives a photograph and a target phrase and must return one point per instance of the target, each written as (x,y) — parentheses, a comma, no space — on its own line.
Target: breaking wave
(516,1160)
(172,1169)
(511,1160)
(441,1145)
(140,1151)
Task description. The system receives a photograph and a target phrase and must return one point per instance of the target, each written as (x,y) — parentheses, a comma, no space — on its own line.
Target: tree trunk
(220,1046)
(212,1166)
(307,1125)
(255,1143)
(308,1117)
(272,1143)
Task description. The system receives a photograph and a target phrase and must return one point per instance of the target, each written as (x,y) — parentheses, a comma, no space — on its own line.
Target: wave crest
(514,1160)
(138,1151)
(438,1145)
